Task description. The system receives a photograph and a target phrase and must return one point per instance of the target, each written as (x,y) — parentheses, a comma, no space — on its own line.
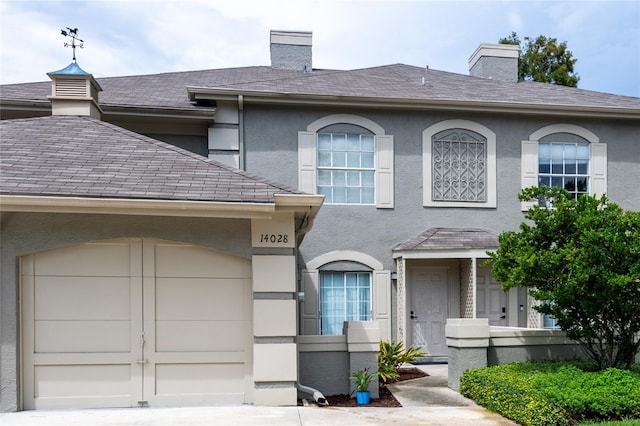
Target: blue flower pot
(363,397)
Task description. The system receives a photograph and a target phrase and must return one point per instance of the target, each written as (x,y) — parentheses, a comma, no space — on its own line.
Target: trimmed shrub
(554,393)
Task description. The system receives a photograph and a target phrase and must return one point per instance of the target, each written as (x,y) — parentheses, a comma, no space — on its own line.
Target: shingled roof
(84,157)
(451,239)
(398,82)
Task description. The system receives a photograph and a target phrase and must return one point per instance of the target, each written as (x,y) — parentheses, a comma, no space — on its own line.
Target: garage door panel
(98,332)
(199,299)
(192,261)
(82,336)
(82,298)
(190,336)
(185,379)
(199,357)
(98,358)
(82,380)
(91,259)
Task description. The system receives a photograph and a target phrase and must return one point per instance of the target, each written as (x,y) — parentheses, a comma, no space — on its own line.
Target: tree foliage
(545,60)
(581,258)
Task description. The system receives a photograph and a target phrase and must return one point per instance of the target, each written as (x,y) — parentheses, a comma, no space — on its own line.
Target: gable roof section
(399,84)
(450,239)
(70,156)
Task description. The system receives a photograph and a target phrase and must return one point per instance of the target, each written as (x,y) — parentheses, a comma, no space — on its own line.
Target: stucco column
(363,344)
(275,365)
(468,342)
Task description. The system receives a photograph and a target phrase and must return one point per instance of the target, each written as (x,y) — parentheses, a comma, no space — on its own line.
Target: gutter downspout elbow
(317,395)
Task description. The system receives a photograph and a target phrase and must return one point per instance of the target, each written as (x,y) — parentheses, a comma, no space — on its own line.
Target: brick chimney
(495,61)
(291,50)
(74,92)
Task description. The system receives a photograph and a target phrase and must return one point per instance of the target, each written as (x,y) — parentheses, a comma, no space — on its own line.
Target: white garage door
(135,322)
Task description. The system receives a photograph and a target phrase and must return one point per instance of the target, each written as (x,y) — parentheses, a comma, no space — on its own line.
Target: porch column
(468,342)
(363,344)
(401,301)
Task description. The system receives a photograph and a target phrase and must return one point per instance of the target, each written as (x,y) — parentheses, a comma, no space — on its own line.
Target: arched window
(345,286)
(459,165)
(566,156)
(348,159)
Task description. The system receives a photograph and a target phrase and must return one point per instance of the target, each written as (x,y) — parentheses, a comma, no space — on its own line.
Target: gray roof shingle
(450,239)
(85,157)
(397,82)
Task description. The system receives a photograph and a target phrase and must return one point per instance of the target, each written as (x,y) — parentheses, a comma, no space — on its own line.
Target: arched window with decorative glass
(459,165)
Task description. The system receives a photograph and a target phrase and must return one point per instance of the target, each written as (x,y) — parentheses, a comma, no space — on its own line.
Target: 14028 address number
(274,238)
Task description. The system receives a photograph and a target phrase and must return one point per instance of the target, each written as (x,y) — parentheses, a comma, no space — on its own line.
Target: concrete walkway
(426,401)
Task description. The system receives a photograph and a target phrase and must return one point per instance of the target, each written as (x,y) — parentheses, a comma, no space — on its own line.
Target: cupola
(74,92)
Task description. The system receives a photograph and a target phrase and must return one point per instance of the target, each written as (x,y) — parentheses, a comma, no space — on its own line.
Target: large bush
(581,258)
(554,393)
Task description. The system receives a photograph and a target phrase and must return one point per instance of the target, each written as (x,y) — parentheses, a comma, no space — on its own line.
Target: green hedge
(554,393)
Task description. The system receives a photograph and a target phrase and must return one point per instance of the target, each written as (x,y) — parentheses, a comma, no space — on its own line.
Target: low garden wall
(326,362)
(474,344)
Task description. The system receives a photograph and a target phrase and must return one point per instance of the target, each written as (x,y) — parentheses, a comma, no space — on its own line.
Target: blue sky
(147,36)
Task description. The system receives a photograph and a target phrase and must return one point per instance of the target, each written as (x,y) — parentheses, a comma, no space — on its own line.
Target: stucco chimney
(291,50)
(495,61)
(74,92)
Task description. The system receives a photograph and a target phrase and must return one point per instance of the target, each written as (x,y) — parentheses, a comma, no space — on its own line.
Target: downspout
(315,393)
(241,131)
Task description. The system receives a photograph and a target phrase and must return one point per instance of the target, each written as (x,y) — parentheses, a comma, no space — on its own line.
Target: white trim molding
(345,119)
(345,255)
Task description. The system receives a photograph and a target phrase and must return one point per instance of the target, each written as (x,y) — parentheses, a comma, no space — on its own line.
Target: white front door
(429,309)
(491,301)
(133,322)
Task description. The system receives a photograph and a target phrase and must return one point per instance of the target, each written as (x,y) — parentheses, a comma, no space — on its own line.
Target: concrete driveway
(426,401)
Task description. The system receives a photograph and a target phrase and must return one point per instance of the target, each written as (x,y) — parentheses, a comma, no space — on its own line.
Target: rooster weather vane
(73,33)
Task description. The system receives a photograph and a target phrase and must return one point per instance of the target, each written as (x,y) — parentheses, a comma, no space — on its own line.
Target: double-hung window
(349,159)
(565,156)
(346,168)
(564,165)
(344,296)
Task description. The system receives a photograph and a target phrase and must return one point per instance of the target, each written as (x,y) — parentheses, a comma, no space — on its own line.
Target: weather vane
(73,33)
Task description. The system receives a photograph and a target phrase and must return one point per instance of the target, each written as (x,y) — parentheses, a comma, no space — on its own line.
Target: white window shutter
(529,164)
(382,302)
(384,171)
(307,162)
(598,169)
(310,307)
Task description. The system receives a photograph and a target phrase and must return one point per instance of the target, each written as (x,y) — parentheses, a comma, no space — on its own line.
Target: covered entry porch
(440,276)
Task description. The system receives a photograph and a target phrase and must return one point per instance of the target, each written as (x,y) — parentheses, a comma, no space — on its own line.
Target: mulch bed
(386,399)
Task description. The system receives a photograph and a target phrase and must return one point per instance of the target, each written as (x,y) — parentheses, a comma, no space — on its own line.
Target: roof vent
(495,61)
(291,50)
(74,92)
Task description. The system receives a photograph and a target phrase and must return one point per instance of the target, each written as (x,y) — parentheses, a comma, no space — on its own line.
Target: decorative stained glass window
(459,166)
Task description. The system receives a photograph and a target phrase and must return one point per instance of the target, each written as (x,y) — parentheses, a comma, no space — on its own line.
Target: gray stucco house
(418,170)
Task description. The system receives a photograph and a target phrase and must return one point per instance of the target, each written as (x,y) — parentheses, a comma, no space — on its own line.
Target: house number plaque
(276,232)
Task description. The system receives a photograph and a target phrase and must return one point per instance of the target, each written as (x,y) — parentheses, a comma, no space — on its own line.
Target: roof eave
(459,253)
(284,98)
(143,207)
(308,205)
